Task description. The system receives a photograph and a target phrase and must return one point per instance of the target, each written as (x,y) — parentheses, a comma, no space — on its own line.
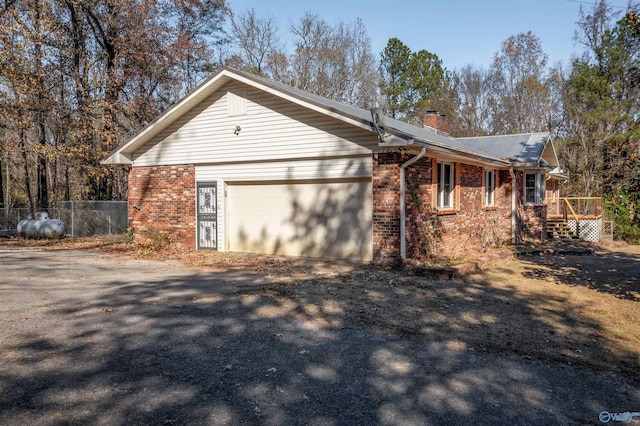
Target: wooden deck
(578,217)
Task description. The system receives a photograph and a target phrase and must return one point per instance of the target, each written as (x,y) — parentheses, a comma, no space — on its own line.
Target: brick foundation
(162,203)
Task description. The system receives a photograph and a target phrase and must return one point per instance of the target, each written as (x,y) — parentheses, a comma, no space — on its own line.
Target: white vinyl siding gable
(272,129)
(237,103)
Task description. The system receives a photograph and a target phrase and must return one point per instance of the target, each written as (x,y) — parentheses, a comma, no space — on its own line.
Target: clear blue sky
(458,31)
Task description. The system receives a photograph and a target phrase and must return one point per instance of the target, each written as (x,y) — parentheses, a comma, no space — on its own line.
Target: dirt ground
(550,339)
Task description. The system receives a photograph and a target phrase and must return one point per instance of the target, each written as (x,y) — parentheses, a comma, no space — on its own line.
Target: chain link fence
(81,218)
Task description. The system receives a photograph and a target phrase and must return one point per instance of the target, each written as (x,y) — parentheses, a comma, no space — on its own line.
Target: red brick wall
(162,202)
(475,227)
(468,230)
(386,205)
(421,217)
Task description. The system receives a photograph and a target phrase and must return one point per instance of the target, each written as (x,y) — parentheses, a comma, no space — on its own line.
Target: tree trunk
(27,183)
(2,200)
(42,200)
(67,185)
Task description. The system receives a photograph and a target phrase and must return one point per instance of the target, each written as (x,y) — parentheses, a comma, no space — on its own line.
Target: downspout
(513,205)
(403,207)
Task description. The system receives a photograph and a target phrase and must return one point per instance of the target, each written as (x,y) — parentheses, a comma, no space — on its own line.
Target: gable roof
(510,150)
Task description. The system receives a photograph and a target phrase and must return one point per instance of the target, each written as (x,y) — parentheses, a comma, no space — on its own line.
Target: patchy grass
(574,310)
(539,308)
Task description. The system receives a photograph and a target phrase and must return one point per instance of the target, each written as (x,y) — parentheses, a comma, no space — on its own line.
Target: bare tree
(473,87)
(359,76)
(312,57)
(334,61)
(518,76)
(80,76)
(258,43)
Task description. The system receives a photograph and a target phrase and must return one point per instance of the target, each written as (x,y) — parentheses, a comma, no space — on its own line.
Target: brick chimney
(436,120)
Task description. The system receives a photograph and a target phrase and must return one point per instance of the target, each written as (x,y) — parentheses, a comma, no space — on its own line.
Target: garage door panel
(302,219)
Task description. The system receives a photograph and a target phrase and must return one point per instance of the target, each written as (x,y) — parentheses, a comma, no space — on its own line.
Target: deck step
(560,229)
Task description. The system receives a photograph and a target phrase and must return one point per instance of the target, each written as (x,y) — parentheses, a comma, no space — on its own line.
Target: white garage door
(330,220)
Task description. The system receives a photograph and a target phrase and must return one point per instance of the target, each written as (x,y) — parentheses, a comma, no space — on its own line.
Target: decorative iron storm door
(207,215)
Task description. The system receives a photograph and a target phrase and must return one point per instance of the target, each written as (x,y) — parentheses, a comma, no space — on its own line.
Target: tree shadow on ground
(369,346)
(611,272)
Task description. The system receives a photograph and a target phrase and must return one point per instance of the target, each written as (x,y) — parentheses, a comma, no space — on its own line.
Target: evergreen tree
(411,82)
(602,106)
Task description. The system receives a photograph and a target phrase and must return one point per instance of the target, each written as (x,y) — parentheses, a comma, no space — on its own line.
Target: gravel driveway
(92,339)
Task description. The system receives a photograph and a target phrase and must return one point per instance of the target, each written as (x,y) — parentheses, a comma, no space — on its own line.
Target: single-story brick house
(246,164)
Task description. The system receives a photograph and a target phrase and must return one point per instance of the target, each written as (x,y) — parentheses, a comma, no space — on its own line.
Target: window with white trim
(446,185)
(489,187)
(534,188)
